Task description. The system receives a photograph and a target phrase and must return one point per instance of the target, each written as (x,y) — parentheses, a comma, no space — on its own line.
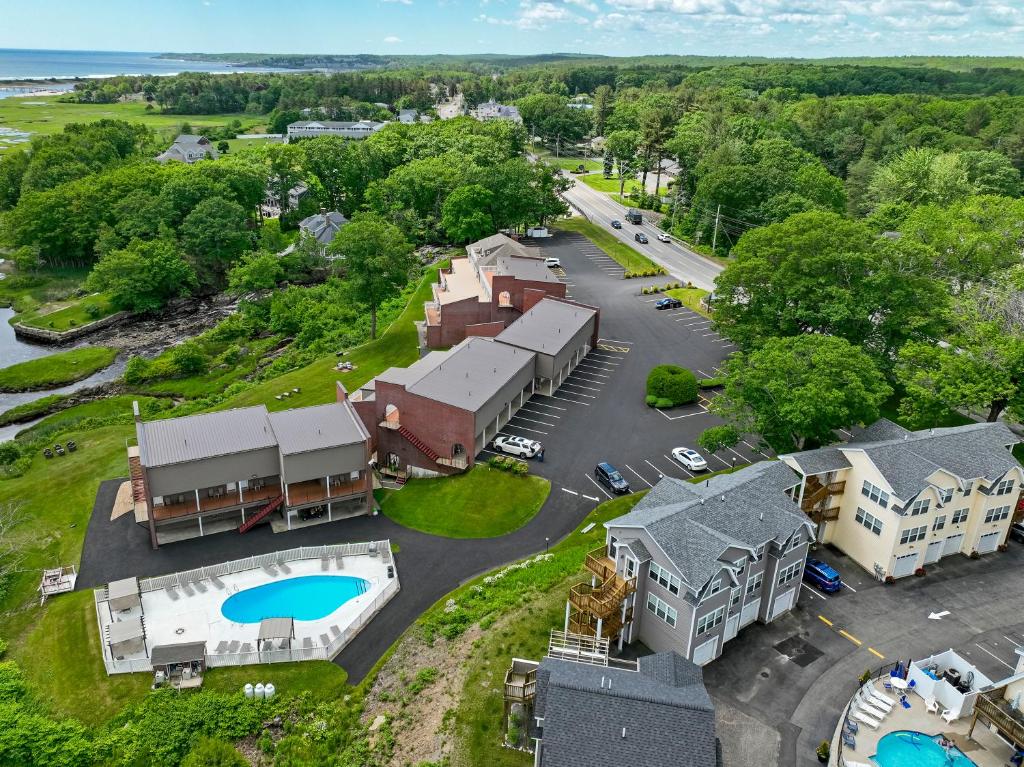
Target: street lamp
(546,542)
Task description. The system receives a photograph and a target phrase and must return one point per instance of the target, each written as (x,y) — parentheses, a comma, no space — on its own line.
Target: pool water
(306,598)
(915,749)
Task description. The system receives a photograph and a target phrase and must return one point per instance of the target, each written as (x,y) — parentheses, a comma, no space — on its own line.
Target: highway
(681,262)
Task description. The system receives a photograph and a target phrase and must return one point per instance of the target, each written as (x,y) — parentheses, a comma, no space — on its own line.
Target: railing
(455,463)
(603,600)
(520,685)
(600,564)
(574,647)
(992,706)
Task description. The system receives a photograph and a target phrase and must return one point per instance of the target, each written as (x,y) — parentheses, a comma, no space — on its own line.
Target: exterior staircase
(419,444)
(603,601)
(262,514)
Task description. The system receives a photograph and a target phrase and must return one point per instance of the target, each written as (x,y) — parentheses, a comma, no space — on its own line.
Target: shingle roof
(658,716)
(820,461)
(490,248)
(207,435)
(695,523)
(316,428)
(637,547)
(323,226)
(547,326)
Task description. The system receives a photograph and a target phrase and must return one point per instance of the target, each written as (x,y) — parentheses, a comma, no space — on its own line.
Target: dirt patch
(416,689)
(123,503)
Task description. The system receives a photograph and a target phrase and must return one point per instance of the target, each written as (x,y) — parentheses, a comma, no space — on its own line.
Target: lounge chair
(852,727)
(284,567)
(200,587)
(233,646)
(222,646)
(217,582)
(865,705)
(325,564)
(246,647)
(341,561)
(864,719)
(307,643)
(948,715)
(336,631)
(878,701)
(931,705)
(886,698)
(849,740)
(270,570)
(187,588)
(172,593)
(324,640)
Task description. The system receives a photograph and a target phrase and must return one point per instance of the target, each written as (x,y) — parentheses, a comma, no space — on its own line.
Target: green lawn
(599,183)
(396,347)
(482,503)
(27,292)
(119,405)
(572,163)
(80,312)
(627,257)
(57,369)
(218,377)
(691,298)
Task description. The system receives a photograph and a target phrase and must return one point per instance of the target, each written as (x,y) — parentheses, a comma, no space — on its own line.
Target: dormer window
(918,507)
(945,495)
(1003,487)
(968,486)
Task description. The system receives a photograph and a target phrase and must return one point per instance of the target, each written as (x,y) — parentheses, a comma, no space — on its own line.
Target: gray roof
(466,376)
(335,125)
(819,461)
(125,631)
(316,428)
(524,268)
(637,547)
(276,628)
(694,524)
(547,326)
(183,652)
(126,587)
(490,248)
(323,226)
(667,715)
(187,143)
(207,435)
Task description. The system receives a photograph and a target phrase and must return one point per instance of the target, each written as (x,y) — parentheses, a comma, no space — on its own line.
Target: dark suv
(1017,532)
(609,476)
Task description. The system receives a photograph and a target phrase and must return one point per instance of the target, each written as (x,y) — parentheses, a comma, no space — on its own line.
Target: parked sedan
(662,237)
(822,575)
(520,446)
(668,303)
(691,459)
(641,238)
(616,224)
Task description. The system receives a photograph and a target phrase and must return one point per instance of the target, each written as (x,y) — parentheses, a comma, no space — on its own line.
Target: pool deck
(984,748)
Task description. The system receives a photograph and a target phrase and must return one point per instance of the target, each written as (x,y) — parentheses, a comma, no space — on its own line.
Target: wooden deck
(226,500)
(312,491)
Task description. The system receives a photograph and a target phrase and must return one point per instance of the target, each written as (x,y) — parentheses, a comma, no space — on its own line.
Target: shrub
(513,734)
(663,402)
(711,383)
(136,370)
(9,453)
(717,438)
(12,682)
(188,359)
(650,399)
(509,464)
(210,752)
(672,383)
(93,311)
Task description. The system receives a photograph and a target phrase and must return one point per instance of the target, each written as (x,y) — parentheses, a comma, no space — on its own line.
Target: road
(681,262)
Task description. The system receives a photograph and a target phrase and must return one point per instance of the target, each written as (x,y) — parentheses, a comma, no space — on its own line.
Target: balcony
(313,491)
(213,499)
(993,707)
(600,564)
(602,601)
(585,624)
(521,681)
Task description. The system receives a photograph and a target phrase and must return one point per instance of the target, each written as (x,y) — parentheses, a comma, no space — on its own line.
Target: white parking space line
(702,411)
(570,492)
(994,656)
(591,368)
(703,373)
(638,475)
(675,464)
(492,452)
(591,498)
(576,393)
(606,495)
(518,417)
(545,404)
(576,371)
(580,386)
(1010,641)
(722,461)
(599,363)
(705,335)
(522,428)
(538,412)
(851,588)
(580,377)
(741,456)
(606,354)
(615,341)
(812,591)
(573,401)
(660,472)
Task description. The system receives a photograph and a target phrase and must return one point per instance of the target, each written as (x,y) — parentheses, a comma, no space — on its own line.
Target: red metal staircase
(262,514)
(419,444)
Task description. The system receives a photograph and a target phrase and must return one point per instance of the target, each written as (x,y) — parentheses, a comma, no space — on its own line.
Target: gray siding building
(692,564)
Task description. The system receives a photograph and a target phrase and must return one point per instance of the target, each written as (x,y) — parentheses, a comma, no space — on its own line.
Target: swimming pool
(306,598)
(905,748)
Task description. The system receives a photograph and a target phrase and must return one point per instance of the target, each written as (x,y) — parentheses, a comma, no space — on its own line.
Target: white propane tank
(247,690)
(269,690)
(259,691)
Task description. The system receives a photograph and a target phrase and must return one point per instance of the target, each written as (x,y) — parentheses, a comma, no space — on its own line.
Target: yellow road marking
(875,652)
(824,620)
(851,637)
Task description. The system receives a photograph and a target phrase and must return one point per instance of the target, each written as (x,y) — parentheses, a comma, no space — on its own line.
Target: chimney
(135,411)
(340,392)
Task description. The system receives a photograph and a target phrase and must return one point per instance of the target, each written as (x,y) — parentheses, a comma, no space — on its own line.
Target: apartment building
(692,564)
(486,291)
(313,128)
(230,470)
(896,500)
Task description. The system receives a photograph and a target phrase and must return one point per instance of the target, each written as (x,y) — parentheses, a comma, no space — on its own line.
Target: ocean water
(22,64)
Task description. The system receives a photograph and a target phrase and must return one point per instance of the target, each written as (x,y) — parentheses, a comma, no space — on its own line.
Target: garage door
(905,565)
(705,652)
(750,610)
(934,552)
(953,544)
(732,627)
(783,602)
(989,542)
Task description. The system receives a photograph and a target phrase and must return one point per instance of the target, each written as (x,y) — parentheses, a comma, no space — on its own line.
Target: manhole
(799,651)
(179,631)
(765,674)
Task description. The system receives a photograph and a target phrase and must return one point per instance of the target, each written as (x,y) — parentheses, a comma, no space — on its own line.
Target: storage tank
(247,690)
(260,692)
(269,690)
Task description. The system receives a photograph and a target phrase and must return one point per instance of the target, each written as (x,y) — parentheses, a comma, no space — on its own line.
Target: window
(760,551)
(797,540)
(754,584)
(1003,487)
(913,534)
(997,514)
(664,578)
(918,507)
(735,598)
(945,494)
(789,573)
(709,621)
(870,522)
(939,523)
(661,609)
(716,586)
(876,494)
(740,565)
(960,515)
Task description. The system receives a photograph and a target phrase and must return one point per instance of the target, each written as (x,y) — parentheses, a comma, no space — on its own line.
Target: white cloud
(538,15)
(392,39)
(403,2)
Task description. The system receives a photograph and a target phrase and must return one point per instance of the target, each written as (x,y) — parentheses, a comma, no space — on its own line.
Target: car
(552,262)
(641,238)
(691,459)
(1017,532)
(518,446)
(662,237)
(609,476)
(668,303)
(822,575)
(616,224)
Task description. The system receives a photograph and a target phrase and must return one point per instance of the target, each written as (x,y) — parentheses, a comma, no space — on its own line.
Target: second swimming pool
(306,598)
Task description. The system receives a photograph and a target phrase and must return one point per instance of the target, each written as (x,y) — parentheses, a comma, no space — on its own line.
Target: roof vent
(760,517)
(723,498)
(623,733)
(701,501)
(602,682)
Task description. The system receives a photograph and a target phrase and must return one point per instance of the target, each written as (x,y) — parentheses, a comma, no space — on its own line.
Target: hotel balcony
(205,500)
(315,491)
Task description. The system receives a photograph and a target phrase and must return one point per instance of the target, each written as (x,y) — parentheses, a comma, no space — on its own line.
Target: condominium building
(692,564)
(313,128)
(896,500)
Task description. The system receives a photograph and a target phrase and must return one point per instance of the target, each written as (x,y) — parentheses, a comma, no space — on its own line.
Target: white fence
(317,652)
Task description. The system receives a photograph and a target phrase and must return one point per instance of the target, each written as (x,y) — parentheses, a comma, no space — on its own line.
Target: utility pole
(714,239)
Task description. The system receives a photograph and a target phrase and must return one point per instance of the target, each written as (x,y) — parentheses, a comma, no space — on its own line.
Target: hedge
(670,386)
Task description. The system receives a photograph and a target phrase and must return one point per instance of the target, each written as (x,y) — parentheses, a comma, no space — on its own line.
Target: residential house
(491,110)
(322,227)
(188,148)
(232,469)
(313,128)
(896,500)
(692,564)
(584,709)
(487,290)
(407,116)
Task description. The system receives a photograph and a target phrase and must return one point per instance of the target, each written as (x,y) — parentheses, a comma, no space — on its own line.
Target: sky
(806,28)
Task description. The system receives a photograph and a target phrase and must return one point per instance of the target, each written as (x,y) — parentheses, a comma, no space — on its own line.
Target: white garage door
(905,565)
(732,626)
(783,602)
(750,610)
(953,544)
(989,542)
(934,552)
(705,652)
